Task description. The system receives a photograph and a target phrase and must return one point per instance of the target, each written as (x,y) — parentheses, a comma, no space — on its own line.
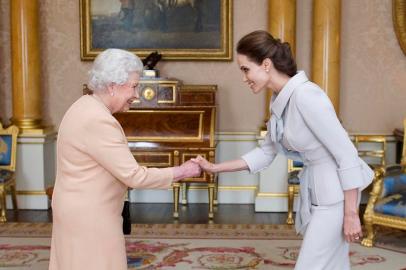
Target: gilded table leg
(213,183)
(211,197)
(291,194)
(216,190)
(176,187)
(184,193)
(3,204)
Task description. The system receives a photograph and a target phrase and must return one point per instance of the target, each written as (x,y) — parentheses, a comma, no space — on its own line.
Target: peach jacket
(94,169)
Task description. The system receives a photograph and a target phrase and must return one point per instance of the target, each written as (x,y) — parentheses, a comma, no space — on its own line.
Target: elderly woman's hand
(204,164)
(186,170)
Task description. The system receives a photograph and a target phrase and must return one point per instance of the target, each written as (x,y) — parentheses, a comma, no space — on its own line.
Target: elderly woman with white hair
(95,167)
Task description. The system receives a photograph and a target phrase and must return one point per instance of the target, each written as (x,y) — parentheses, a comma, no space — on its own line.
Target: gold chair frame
(10,184)
(372,218)
(292,190)
(360,139)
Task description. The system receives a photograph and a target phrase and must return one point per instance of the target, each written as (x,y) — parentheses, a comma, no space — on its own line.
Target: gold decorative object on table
(148,93)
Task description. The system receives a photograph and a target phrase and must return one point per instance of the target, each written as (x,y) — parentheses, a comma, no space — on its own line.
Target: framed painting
(178,29)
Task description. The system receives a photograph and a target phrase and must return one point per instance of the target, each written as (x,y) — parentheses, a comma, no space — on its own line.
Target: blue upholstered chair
(8,150)
(294,167)
(387,202)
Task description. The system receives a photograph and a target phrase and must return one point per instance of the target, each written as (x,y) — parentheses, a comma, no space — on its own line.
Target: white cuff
(257,160)
(351,178)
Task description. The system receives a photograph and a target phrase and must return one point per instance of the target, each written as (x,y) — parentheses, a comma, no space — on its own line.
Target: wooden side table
(170,124)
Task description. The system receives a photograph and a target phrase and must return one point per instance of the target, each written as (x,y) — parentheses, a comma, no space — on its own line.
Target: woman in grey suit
(304,126)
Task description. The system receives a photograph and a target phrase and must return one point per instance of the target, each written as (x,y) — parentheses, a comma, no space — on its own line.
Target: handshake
(192,168)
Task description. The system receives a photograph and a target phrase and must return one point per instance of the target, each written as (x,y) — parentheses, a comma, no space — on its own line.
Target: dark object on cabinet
(151,60)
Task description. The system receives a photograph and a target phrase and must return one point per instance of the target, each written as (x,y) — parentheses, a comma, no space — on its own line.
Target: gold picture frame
(141,29)
(11,131)
(399,22)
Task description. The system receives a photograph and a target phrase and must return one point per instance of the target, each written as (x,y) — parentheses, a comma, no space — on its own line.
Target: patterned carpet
(203,246)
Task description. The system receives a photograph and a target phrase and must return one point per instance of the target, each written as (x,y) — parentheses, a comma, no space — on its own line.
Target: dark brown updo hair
(260,45)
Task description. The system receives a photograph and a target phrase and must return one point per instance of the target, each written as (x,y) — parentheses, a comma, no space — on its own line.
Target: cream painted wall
(373,68)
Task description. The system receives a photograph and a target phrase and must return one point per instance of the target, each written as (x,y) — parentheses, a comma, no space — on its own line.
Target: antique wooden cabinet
(170,124)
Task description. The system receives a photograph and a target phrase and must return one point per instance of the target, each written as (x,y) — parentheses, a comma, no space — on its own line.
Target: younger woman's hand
(204,164)
(352,227)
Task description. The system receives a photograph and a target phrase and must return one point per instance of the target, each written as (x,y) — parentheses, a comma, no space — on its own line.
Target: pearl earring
(112,94)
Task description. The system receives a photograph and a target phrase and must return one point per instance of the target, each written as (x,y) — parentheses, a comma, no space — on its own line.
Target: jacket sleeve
(319,115)
(107,145)
(260,157)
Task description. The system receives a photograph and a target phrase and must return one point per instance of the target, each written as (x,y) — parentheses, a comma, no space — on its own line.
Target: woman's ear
(111,89)
(267,64)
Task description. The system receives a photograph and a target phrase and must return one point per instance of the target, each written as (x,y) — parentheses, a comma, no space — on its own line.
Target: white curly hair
(113,66)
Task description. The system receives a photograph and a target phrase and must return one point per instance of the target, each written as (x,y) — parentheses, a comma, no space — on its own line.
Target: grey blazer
(304,126)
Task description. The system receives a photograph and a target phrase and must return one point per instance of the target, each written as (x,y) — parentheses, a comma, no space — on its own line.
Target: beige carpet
(183,246)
